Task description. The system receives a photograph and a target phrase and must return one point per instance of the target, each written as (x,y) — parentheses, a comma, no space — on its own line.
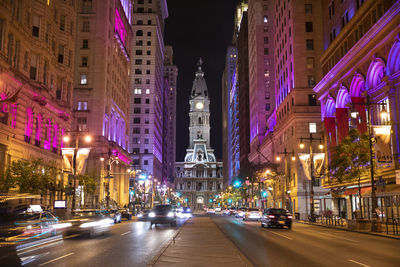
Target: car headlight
(170,214)
(152,215)
(140,215)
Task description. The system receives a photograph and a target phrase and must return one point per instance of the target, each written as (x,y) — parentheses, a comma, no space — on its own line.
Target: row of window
(138,91)
(137,130)
(139,110)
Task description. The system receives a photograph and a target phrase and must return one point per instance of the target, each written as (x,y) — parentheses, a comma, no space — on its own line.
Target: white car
(211,210)
(218,209)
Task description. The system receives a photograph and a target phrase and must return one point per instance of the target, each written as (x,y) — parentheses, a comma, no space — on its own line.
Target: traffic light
(237,184)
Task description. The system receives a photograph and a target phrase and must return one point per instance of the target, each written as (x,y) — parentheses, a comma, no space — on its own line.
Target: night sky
(199,29)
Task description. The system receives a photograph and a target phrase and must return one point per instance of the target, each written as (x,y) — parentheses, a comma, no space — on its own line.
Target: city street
(307,245)
(128,244)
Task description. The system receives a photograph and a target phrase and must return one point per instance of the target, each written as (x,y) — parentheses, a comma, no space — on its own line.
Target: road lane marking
(126,233)
(281,235)
(56,259)
(359,263)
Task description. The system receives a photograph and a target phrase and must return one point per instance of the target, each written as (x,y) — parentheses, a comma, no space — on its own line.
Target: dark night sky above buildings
(199,29)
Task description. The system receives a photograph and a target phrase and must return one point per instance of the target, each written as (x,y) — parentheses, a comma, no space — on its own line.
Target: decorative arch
(376,72)
(342,98)
(357,85)
(330,107)
(139,33)
(393,64)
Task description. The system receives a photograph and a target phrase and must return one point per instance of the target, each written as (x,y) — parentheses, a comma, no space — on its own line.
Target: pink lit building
(102,91)
(362,59)
(36,61)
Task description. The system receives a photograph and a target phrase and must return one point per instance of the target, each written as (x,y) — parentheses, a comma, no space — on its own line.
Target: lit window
(147,91)
(83,79)
(266,73)
(82,105)
(137,91)
(265,19)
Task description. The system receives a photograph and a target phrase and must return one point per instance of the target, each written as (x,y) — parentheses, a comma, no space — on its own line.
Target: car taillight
(271,216)
(290,217)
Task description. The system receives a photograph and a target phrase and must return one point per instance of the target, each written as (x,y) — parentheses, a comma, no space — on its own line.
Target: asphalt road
(307,245)
(127,244)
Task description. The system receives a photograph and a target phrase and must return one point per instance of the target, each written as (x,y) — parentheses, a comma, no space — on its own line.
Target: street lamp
(311,139)
(384,115)
(287,177)
(66,139)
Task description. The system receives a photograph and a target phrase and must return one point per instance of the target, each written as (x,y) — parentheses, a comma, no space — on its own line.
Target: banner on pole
(305,163)
(318,159)
(383,148)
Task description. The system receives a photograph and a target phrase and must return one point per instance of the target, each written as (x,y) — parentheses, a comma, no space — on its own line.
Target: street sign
(108,177)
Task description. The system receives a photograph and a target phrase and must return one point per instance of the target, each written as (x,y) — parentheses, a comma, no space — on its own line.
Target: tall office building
(37,47)
(261,67)
(147,85)
(298,45)
(169,142)
(101,92)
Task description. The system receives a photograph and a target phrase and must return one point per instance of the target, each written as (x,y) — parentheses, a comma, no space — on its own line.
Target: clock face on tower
(199,105)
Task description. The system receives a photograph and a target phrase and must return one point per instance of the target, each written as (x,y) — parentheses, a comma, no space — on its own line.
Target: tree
(7,181)
(349,160)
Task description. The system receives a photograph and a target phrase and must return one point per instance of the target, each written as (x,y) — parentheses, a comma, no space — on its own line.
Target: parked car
(114,214)
(91,222)
(162,214)
(226,212)
(252,214)
(277,218)
(218,209)
(185,212)
(240,212)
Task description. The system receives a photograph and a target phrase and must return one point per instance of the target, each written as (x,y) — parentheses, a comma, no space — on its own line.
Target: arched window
(376,72)
(393,64)
(139,33)
(200,122)
(357,85)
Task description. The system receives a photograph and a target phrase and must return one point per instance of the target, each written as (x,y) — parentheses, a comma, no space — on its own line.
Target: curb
(165,245)
(350,230)
(240,253)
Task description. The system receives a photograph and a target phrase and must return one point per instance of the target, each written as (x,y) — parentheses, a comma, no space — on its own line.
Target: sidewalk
(344,228)
(200,243)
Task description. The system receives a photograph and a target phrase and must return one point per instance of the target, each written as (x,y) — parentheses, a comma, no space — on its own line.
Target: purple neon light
(121,156)
(120,27)
(29,122)
(342,98)
(376,72)
(13,111)
(55,135)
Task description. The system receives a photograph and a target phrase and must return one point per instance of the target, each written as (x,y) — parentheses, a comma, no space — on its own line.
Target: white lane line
(126,233)
(56,259)
(281,235)
(359,263)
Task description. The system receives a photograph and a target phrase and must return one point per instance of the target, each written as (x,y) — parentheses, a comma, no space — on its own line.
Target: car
(252,214)
(240,212)
(143,215)
(211,211)
(185,212)
(115,215)
(125,214)
(90,222)
(218,209)
(226,212)
(276,217)
(162,214)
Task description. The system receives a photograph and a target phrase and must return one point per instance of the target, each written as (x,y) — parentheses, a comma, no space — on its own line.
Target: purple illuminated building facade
(102,91)
(147,87)
(36,47)
(362,59)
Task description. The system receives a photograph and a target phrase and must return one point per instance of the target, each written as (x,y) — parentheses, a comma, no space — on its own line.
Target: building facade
(147,85)
(101,93)
(37,47)
(169,150)
(362,61)
(298,45)
(199,177)
(261,68)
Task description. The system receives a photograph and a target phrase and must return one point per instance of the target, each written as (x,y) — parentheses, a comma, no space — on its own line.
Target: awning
(354,191)
(388,190)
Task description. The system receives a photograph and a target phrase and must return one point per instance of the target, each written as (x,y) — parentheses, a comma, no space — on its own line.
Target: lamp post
(111,160)
(311,139)
(66,139)
(384,114)
(286,192)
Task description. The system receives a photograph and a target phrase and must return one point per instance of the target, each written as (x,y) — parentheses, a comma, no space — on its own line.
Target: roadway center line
(56,259)
(126,233)
(281,235)
(359,263)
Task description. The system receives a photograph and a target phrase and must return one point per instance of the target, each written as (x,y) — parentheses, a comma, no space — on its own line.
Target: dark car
(143,215)
(125,214)
(162,214)
(91,222)
(277,218)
